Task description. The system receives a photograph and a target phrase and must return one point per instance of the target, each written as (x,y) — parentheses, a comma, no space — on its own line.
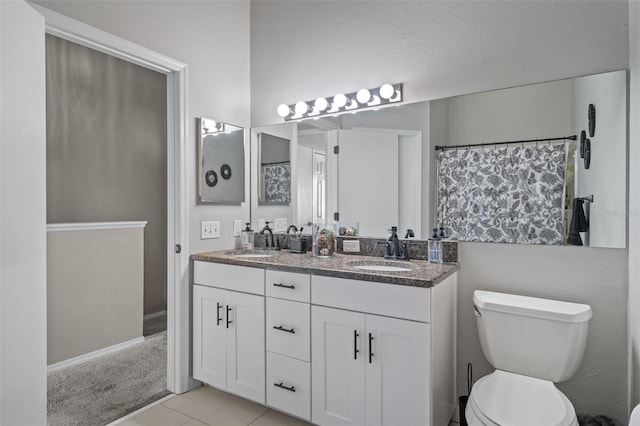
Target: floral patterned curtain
(503,195)
(277,182)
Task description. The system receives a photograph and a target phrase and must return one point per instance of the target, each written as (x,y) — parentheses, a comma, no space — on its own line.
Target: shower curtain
(503,195)
(276,179)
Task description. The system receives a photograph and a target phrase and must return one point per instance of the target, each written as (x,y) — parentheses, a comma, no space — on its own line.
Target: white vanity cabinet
(228,329)
(375,348)
(288,330)
(332,351)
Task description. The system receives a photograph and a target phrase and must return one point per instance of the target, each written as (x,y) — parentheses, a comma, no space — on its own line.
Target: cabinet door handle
(281,328)
(370,351)
(228,320)
(355,344)
(284,285)
(281,386)
(218,313)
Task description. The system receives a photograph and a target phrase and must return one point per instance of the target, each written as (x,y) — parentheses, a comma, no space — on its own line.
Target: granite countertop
(422,273)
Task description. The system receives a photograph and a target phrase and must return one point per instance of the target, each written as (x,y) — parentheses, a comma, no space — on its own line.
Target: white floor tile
(158,416)
(274,418)
(216,408)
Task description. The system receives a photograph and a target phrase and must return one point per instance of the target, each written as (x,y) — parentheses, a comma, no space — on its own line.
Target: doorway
(177,245)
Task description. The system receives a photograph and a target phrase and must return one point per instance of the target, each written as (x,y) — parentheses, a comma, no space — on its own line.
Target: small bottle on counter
(246,238)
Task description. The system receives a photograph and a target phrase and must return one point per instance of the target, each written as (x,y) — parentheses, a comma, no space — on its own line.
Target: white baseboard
(155,314)
(94,354)
(140,410)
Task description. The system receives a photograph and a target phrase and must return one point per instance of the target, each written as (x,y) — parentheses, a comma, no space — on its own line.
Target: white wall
(301,50)
(212,38)
(529,112)
(634,202)
(23,292)
(606,178)
(304,49)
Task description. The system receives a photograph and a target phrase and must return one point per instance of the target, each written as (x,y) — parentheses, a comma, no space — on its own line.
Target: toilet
(533,343)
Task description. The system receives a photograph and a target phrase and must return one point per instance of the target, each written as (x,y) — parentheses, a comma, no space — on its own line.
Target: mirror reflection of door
(319,187)
(368,180)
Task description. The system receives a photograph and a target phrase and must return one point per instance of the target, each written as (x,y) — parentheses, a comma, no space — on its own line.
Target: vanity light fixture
(341,102)
(284,110)
(211,127)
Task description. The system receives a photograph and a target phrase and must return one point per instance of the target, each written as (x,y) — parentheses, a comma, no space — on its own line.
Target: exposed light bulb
(387,91)
(321,104)
(340,100)
(301,108)
(363,96)
(283,110)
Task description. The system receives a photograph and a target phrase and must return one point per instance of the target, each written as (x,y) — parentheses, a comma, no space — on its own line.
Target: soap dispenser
(246,238)
(435,247)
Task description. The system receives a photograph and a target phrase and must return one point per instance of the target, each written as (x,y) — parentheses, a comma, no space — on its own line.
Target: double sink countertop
(416,273)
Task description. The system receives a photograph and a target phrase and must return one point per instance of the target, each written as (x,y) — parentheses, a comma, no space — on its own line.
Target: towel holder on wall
(588,198)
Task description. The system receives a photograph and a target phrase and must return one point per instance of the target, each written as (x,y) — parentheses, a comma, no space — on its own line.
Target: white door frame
(177,214)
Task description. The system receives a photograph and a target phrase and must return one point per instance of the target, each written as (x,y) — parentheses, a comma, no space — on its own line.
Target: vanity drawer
(282,373)
(400,301)
(292,337)
(231,277)
(288,285)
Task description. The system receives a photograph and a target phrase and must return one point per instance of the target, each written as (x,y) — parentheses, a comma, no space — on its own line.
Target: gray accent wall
(107,149)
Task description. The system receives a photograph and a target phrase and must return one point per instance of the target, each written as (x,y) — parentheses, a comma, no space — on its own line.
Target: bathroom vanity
(326,340)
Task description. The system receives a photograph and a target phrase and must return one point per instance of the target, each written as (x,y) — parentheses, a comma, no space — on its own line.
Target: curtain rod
(443,147)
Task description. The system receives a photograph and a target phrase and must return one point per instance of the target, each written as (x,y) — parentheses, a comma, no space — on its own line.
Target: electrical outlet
(280,224)
(237,227)
(209,230)
(351,246)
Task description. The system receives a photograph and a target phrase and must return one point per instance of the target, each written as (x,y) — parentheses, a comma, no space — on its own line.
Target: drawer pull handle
(281,386)
(281,328)
(284,285)
(228,320)
(370,351)
(218,314)
(355,344)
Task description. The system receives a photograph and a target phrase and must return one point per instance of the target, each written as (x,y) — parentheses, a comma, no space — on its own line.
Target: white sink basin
(381,266)
(251,253)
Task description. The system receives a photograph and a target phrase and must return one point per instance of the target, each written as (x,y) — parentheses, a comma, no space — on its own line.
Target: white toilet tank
(534,337)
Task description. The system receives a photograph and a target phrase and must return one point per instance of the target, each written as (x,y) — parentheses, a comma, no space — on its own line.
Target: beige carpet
(111,386)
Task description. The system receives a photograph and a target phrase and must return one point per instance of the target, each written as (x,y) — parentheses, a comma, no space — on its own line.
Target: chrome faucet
(266,238)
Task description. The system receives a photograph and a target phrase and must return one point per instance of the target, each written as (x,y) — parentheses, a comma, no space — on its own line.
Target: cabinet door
(245,346)
(337,367)
(209,348)
(397,372)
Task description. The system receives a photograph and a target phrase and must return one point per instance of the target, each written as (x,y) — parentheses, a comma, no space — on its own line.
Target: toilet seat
(509,399)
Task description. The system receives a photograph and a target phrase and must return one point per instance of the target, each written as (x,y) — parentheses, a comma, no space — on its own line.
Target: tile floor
(207,406)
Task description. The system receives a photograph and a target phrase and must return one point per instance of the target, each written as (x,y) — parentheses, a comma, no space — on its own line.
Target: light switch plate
(351,246)
(280,224)
(237,227)
(209,230)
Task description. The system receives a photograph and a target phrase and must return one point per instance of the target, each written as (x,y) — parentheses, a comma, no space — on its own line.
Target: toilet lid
(512,399)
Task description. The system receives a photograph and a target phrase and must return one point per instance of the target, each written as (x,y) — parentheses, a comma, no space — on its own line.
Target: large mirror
(220,162)
(381,168)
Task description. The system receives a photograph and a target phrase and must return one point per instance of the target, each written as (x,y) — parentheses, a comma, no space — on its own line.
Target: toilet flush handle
(476,311)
